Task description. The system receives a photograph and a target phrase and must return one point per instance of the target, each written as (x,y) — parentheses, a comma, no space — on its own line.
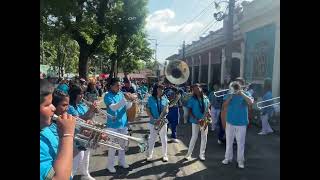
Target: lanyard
(201,106)
(159,106)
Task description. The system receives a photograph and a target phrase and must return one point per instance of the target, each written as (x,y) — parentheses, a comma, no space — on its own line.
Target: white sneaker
(149,158)
(188,158)
(219,142)
(202,158)
(165,159)
(112,169)
(88,177)
(226,161)
(125,166)
(241,164)
(262,133)
(175,140)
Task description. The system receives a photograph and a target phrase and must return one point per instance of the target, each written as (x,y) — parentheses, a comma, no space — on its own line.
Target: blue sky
(170,22)
(173,21)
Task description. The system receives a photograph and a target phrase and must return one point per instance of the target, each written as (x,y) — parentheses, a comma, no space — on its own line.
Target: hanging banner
(259,53)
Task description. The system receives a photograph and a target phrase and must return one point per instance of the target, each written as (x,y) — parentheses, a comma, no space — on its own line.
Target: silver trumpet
(95,139)
(101,111)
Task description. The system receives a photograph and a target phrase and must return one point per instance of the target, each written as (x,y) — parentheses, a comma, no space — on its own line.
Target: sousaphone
(177,72)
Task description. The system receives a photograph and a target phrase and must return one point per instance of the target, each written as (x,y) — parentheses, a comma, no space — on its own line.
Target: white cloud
(159,20)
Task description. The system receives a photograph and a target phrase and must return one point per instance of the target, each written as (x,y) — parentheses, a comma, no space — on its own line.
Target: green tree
(89,22)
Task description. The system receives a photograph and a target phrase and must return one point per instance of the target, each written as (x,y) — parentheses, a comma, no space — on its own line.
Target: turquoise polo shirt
(153,107)
(237,110)
(195,105)
(79,110)
(121,120)
(48,151)
(63,87)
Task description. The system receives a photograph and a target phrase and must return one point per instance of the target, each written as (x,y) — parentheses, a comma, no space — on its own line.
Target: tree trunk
(83,63)
(113,65)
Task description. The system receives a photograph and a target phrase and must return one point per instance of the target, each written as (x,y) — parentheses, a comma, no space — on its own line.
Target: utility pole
(229,38)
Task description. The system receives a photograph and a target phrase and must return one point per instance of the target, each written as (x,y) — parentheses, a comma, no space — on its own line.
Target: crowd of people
(61,157)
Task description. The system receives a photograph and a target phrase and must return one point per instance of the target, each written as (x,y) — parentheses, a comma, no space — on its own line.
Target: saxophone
(203,123)
(162,120)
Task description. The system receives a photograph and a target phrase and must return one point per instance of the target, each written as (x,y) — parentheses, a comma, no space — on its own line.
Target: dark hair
(201,95)
(113,81)
(74,91)
(58,96)
(46,88)
(267,86)
(155,88)
(89,89)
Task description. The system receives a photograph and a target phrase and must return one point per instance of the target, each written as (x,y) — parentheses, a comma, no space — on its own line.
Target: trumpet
(268,103)
(95,139)
(101,111)
(234,88)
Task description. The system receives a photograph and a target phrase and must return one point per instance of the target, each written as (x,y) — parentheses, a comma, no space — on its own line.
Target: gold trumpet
(95,139)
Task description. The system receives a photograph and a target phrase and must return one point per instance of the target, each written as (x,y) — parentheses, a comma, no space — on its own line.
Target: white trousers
(265,124)
(215,115)
(203,144)
(81,163)
(240,133)
(185,114)
(112,151)
(152,139)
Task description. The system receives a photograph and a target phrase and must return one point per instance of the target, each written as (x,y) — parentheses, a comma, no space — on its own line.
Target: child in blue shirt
(55,154)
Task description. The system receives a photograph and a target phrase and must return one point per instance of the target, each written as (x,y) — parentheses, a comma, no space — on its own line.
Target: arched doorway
(235,68)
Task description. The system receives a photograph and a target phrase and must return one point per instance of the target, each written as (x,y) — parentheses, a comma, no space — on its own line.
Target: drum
(132,112)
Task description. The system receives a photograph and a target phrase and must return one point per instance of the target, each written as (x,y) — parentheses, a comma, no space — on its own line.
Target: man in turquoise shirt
(237,121)
(117,106)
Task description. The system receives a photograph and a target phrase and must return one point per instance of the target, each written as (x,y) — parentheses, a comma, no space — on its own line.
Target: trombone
(268,104)
(94,140)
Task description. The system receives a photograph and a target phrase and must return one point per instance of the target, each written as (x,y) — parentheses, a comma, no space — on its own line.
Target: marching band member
(55,154)
(115,101)
(80,109)
(236,122)
(156,104)
(216,103)
(173,114)
(268,111)
(185,98)
(198,106)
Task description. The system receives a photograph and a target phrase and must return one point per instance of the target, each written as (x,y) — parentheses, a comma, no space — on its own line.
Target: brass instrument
(177,72)
(234,88)
(268,103)
(203,123)
(95,139)
(99,110)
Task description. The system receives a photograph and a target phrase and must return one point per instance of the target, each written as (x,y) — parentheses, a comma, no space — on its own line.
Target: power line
(200,14)
(204,11)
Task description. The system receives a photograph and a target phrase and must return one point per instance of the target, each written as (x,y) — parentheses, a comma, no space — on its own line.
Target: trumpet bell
(177,72)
